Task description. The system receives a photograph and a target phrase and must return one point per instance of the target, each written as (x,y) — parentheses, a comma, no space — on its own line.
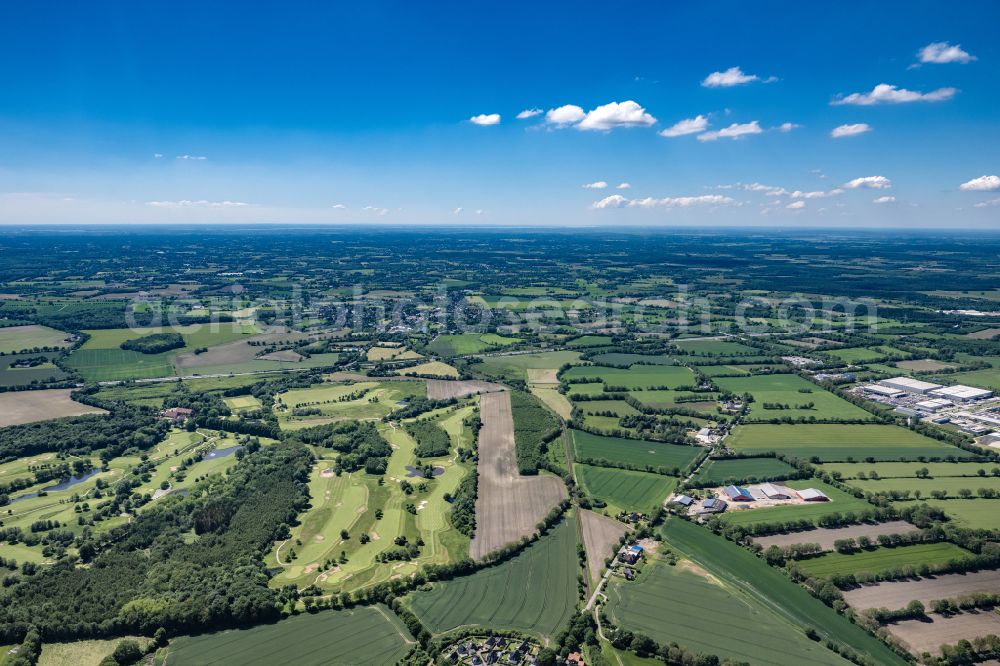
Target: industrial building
(883,391)
(933,405)
(910,385)
(961,393)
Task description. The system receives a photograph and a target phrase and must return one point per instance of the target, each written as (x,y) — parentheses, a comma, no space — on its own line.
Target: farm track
(509,505)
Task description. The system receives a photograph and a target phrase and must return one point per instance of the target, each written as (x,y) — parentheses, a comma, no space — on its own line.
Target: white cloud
(733,76)
(616,114)
(485,119)
(192,157)
(796,205)
(788,127)
(989,203)
(981,184)
(157,155)
(568,114)
(869,182)
(201,203)
(529,113)
(624,186)
(377,210)
(799,194)
(850,130)
(884,200)
(687,126)
(457,211)
(597,185)
(884,93)
(734,131)
(941,53)
(480,211)
(618,201)
(339,206)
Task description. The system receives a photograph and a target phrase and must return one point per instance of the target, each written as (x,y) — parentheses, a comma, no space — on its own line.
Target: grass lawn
(949,484)
(635,377)
(882,559)
(683,604)
(17,338)
(535,592)
(82,653)
(740,470)
(625,490)
(363,635)
(840,502)
(587,446)
(840,442)
(793,391)
(739,569)
(976,513)
(379,399)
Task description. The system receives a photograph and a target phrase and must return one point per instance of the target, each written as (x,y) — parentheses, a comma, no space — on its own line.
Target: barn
(738,494)
(813,495)
(775,492)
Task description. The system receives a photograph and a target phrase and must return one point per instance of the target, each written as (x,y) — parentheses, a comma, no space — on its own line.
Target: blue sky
(161,112)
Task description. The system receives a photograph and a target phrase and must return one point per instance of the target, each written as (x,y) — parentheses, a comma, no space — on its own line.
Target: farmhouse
(176,414)
(738,494)
(812,495)
(910,385)
(685,500)
(632,554)
(775,492)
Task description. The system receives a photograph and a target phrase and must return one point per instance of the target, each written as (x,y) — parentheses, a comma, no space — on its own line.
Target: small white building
(910,385)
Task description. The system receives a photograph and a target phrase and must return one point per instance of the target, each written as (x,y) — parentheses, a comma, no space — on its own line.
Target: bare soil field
(897,594)
(17,407)
(600,537)
(443,389)
(985,334)
(283,355)
(826,537)
(920,636)
(509,505)
(543,375)
(238,351)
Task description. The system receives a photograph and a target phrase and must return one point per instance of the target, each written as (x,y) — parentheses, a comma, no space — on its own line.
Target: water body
(222,453)
(62,485)
(413,471)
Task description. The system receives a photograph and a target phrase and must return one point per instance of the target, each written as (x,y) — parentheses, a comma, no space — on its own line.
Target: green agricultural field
(840,442)
(740,570)
(793,391)
(589,389)
(952,485)
(616,407)
(713,348)
(908,470)
(882,559)
(840,502)
(589,341)
(625,490)
(735,369)
(975,513)
(515,366)
(620,358)
(616,450)
(862,354)
(42,372)
(468,343)
(985,378)
(706,403)
(17,338)
(635,377)
(363,635)
(82,653)
(740,470)
(535,592)
(684,605)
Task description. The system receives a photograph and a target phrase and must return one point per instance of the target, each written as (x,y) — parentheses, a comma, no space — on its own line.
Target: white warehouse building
(910,385)
(961,393)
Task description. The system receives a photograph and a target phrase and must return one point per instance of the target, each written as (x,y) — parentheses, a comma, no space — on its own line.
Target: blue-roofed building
(738,494)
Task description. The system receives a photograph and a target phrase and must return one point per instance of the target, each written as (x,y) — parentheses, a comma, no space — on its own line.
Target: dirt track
(920,636)
(600,536)
(825,537)
(442,389)
(509,505)
(897,594)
